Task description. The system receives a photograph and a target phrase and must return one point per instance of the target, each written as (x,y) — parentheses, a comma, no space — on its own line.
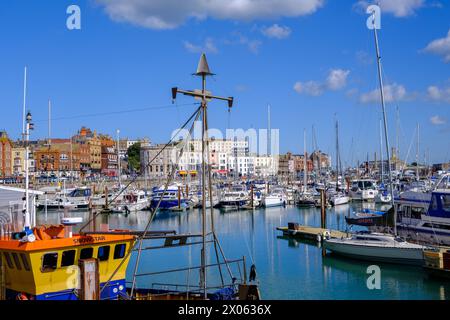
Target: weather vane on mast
(205,96)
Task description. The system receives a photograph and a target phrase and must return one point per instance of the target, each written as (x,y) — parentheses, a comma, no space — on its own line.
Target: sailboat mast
(118,159)
(337,156)
(383,106)
(417,154)
(381,155)
(305,178)
(49,122)
(269,149)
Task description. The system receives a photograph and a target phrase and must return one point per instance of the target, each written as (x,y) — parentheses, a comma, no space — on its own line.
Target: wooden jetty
(310,233)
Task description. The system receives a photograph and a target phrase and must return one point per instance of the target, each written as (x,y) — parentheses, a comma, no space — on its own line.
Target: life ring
(326,234)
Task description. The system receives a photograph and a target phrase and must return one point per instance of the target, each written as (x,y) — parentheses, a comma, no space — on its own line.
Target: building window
(49,262)
(103,253)
(86,253)
(119,251)
(68,258)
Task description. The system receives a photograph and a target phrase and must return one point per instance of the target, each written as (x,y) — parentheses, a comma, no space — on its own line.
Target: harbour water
(286,268)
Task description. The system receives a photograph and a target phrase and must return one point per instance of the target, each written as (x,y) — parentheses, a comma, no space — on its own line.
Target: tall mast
(305,178)
(269,146)
(337,156)
(383,106)
(49,141)
(397,148)
(205,96)
(417,154)
(381,155)
(118,159)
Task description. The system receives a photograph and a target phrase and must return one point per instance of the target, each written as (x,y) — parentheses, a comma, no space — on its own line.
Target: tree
(134,157)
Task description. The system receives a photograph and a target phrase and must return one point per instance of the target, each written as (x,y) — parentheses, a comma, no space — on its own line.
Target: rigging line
(119,112)
(153,213)
(169,179)
(148,164)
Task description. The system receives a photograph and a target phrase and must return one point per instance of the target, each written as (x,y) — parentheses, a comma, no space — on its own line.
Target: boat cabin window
(25,263)
(103,253)
(416,212)
(49,262)
(437,226)
(119,251)
(445,200)
(86,253)
(68,258)
(16,261)
(8,260)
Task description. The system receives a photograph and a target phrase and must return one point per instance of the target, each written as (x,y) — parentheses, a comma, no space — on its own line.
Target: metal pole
(203,257)
(27,180)
(118,159)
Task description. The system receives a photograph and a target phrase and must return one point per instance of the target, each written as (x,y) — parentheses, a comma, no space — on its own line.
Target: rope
(152,215)
(196,113)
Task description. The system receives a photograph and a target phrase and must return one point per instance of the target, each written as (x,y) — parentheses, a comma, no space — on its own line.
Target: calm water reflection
(286,268)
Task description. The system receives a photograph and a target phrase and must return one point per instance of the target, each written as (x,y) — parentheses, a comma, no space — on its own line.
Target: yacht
(171,198)
(363,190)
(424,217)
(132,202)
(275,198)
(339,198)
(236,198)
(377,247)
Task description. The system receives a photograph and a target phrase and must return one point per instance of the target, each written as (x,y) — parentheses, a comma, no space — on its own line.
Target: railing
(162,289)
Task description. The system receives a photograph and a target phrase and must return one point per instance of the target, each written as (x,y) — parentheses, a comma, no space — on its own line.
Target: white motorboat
(275,198)
(363,190)
(339,198)
(132,202)
(234,199)
(377,247)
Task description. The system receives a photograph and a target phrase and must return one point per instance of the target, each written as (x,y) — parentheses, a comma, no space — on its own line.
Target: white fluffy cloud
(440,47)
(276,31)
(336,80)
(439,94)
(311,88)
(437,120)
(392,92)
(399,8)
(169,14)
(207,47)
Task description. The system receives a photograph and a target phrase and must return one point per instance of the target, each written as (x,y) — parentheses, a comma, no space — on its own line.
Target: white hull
(376,253)
(364,195)
(274,201)
(336,201)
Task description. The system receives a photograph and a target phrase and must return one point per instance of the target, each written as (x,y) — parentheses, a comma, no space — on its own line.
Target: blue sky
(311,60)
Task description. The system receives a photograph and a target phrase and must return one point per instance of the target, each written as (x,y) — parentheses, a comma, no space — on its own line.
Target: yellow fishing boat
(48,268)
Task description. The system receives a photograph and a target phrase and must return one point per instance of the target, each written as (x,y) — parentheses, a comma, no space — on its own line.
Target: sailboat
(339,197)
(371,245)
(305,198)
